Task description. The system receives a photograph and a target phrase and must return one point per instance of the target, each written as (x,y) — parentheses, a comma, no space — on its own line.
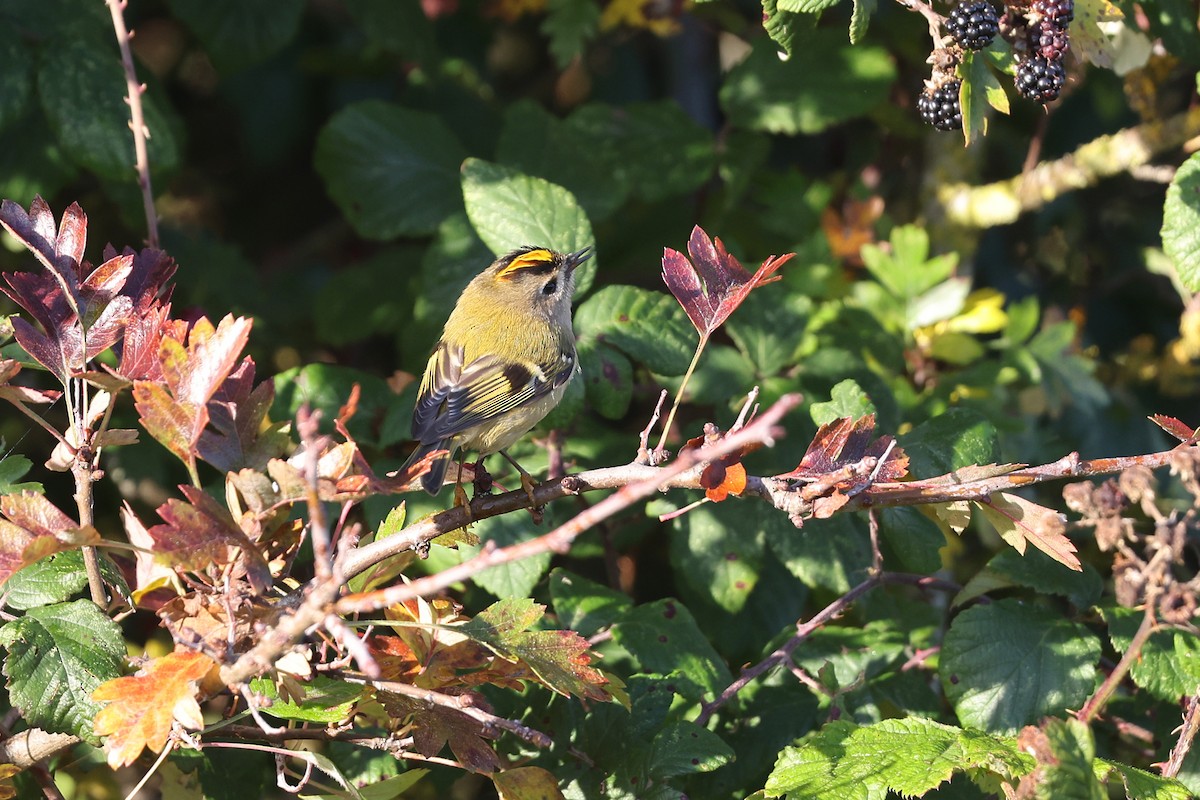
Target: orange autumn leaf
(141,708)
(847,232)
(722,478)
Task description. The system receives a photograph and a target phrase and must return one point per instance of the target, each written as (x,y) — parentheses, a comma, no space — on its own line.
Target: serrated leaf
(909,756)
(1181,223)
(561,659)
(806,6)
(568,25)
(846,399)
(326,700)
(1087,39)
(1020,521)
(1168,665)
(832,553)
(585,606)
(1142,785)
(684,748)
(607,377)
(509,210)
(57,656)
(238,33)
(56,578)
(859,19)
(664,638)
(81,86)
(769,94)
(526,783)
(990,651)
(514,579)
(391,170)
(1065,751)
(650,327)
(1036,571)
(949,441)
(784,27)
(142,708)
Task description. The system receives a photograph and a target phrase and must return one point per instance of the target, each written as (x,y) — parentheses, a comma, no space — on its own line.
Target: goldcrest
(504,360)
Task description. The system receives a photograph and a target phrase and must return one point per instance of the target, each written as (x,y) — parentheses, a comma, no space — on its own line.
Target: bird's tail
(432,480)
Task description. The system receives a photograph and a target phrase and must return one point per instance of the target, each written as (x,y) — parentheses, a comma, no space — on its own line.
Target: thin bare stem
(1187,733)
(644,455)
(662,440)
(137,122)
(1095,704)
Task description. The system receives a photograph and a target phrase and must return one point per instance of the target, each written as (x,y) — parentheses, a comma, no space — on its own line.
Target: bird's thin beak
(578,257)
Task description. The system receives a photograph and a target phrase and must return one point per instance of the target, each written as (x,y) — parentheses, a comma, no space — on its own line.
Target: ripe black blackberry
(974,24)
(1040,79)
(1061,12)
(939,107)
(1048,40)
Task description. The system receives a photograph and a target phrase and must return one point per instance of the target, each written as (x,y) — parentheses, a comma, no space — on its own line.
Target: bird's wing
(455,396)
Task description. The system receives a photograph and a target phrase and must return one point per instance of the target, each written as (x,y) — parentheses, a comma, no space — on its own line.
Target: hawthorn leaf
(989,652)
(201,533)
(1020,521)
(175,424)
(1174,427)
(839,447)
(34,528)
(435,726)
(713,283)
(57,655)
(560,659)
(526,783)
(142,708)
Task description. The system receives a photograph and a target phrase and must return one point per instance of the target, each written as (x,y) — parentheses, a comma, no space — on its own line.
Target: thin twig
(462,703)
(1092,708)
(666,431)
(644,455)
(559,540)
(1187,733)
(137,122)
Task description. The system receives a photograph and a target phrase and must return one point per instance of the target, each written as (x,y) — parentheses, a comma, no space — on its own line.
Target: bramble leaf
(142,708)
(57,655)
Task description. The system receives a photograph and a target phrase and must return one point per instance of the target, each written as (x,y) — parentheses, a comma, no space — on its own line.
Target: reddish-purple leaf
(845,442)
(62,253)
(1174,427)
(713,284)
(139,348)
(239,434)
(36,528)
(177,425)
(201,533)
(35,513)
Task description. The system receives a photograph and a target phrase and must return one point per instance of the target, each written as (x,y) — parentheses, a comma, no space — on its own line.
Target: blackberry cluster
(1040,79)
(939,106)
(975,24)
(1041,74)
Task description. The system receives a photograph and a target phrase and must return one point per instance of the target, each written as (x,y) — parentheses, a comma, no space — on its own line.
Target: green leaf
(859,18)
(912,538)
(955,439)
(664,638)
(81,85)
(326,387)
(391,170)
(568,25)
(846,399)
(57,656)
(16,76)
(510,209)
(585,606)
(238,33)
(31,162)
(1037,571)
(1168,666)
(989,653)
(766,93)
(831,553)
(326,700)
(684,748)
(769,327)
(909,756)
(1181,222)
(649,327)
(1068,773)
(536,142)
(784,27)
(400,28)
(55,578)
(655,151)
(1142,785)
(559,658)
(12,469)
(608,377)
(718,553)
(905,268)
(806,6)
(516,578)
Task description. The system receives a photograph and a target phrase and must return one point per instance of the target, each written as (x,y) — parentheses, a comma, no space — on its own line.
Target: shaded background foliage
(308,165)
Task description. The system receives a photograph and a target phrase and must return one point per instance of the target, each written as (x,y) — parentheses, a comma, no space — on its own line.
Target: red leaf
(36,528)
(845,442)
(1174,427)
(713,284)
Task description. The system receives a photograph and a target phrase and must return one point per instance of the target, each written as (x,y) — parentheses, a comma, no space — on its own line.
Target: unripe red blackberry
(940,108)
(974,24)
(1048,40)
(1061,12)
(1040,79)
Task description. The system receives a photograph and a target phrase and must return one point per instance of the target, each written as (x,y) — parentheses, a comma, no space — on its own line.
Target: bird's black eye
(551,286)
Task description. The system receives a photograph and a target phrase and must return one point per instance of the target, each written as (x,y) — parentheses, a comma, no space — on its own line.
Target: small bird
(503,362)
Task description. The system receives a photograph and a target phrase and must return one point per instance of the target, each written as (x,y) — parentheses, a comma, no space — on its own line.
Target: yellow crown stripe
(534,258)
